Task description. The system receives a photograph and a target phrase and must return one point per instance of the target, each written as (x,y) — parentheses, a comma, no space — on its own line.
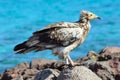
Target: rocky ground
(95,66)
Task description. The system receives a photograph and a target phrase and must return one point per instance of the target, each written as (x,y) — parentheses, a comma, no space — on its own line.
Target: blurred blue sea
(19,18)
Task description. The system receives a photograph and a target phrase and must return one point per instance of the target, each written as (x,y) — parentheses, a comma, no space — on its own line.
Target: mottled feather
(60,37)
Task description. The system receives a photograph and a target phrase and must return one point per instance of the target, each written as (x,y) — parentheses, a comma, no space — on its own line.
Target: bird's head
(86,15)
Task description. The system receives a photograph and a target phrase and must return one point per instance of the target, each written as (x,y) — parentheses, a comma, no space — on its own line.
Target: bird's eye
(90,14)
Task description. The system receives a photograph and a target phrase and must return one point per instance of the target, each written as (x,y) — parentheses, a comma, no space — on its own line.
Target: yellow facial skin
(93,16)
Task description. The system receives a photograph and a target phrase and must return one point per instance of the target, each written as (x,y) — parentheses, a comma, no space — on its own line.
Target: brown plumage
(61,37)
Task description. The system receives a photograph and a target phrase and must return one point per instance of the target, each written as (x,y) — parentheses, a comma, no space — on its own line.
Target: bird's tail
(24,48)
(21,48)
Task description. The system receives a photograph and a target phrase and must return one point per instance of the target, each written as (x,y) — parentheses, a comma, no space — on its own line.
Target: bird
(60,37)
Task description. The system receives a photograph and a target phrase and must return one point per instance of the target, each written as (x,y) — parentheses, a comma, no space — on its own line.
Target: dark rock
(105,70)
(77,73)
(20,72)
(115,66)
(110,50)
(102,66)
(93,56)
(23,65)
(102,70)
(105,75)
(80,60)
(88,63)
(47,74)
(58,65)
(18,78)
(110,53)
(41,63)
(106,64)
(9,74)
(29,73)
(1,75)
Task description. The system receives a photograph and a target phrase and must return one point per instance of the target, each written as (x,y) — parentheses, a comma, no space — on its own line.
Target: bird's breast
(61,51)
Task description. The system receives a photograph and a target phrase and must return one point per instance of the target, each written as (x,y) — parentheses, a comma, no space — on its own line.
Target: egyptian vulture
(60,37)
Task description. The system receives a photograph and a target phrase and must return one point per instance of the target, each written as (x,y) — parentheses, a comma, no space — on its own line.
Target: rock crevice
(95,66)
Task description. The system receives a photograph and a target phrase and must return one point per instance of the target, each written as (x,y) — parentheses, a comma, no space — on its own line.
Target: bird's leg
(72,63)
(66,61)
(70,60)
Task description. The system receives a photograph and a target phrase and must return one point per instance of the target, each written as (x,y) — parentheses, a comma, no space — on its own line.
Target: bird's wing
(60,34)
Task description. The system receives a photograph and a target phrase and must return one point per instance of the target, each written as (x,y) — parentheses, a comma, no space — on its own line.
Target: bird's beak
(98,17)
(95,16)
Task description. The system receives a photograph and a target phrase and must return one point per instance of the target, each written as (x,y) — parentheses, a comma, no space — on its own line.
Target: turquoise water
(19,18)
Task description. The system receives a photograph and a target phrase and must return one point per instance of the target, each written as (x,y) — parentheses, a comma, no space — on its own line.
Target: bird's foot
(69,62)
